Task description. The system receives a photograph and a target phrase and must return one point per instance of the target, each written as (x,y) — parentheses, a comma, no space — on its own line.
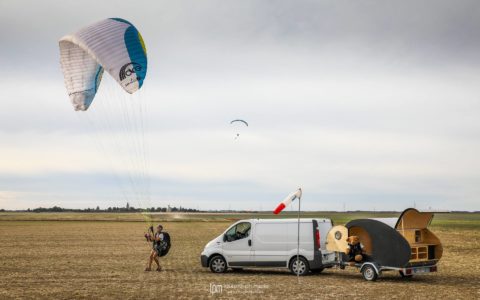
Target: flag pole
(298,241)
(287,201)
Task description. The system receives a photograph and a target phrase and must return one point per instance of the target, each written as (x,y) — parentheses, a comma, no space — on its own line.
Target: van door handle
(250,242)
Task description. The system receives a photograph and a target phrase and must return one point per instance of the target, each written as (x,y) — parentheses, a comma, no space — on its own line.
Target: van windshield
(237,232)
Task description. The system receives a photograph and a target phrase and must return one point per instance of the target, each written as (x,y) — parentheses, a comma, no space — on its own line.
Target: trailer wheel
(218,264)
(405,275)
(369,273)
(299,267)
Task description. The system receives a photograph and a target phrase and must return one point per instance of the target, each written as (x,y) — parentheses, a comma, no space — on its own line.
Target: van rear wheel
(218,264)
(299,267)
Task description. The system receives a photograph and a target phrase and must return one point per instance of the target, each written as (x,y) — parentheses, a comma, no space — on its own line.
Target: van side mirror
(224,237)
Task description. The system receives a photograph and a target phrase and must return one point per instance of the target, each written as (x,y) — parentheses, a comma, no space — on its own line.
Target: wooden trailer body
(426,247)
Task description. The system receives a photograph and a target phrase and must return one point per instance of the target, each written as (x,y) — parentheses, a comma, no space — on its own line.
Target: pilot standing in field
(158,240)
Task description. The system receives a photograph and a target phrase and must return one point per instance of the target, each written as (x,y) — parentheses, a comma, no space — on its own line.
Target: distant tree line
(114,209)
(129,208)
(151,209)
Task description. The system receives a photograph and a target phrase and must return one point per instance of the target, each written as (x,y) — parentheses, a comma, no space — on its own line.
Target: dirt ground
(85,259)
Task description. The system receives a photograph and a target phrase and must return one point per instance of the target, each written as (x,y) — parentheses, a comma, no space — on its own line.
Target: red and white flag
(286,202)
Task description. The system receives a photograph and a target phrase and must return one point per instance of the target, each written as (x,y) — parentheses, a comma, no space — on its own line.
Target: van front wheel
(218,264)
(299,266)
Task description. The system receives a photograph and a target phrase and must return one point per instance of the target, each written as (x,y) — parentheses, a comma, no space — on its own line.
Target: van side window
(238,232)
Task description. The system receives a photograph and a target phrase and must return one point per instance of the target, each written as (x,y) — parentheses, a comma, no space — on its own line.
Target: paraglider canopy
(238,120)
(113,45)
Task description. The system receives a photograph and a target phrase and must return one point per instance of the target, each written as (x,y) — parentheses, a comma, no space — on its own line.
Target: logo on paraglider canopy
(129,70)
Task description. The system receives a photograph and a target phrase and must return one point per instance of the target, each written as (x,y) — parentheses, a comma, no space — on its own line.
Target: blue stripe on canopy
(136,52)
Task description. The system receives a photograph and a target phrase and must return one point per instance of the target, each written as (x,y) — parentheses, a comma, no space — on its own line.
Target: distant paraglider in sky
(239,124)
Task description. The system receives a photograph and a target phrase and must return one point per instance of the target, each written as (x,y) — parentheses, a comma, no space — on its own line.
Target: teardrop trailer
(404,245)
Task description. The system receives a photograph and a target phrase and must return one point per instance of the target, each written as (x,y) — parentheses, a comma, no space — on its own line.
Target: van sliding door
(269,247)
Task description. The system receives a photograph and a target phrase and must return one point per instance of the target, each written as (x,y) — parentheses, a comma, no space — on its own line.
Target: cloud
(372,104)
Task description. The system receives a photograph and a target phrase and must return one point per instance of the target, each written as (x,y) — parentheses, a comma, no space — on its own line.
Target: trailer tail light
(408,271)
(317,239)
(433,269)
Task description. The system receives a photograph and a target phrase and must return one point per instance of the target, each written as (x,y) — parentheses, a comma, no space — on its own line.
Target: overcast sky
(367,104)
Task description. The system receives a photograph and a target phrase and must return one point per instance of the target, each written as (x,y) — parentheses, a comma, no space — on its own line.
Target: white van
(270,243)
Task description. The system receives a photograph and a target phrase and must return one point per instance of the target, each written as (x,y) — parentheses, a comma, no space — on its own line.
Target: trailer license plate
(421,270)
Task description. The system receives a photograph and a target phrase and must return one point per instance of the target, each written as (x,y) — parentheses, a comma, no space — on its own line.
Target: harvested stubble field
(69,256)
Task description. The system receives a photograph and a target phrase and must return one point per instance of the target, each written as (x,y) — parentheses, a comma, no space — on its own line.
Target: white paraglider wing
(113,45)
(117,121)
